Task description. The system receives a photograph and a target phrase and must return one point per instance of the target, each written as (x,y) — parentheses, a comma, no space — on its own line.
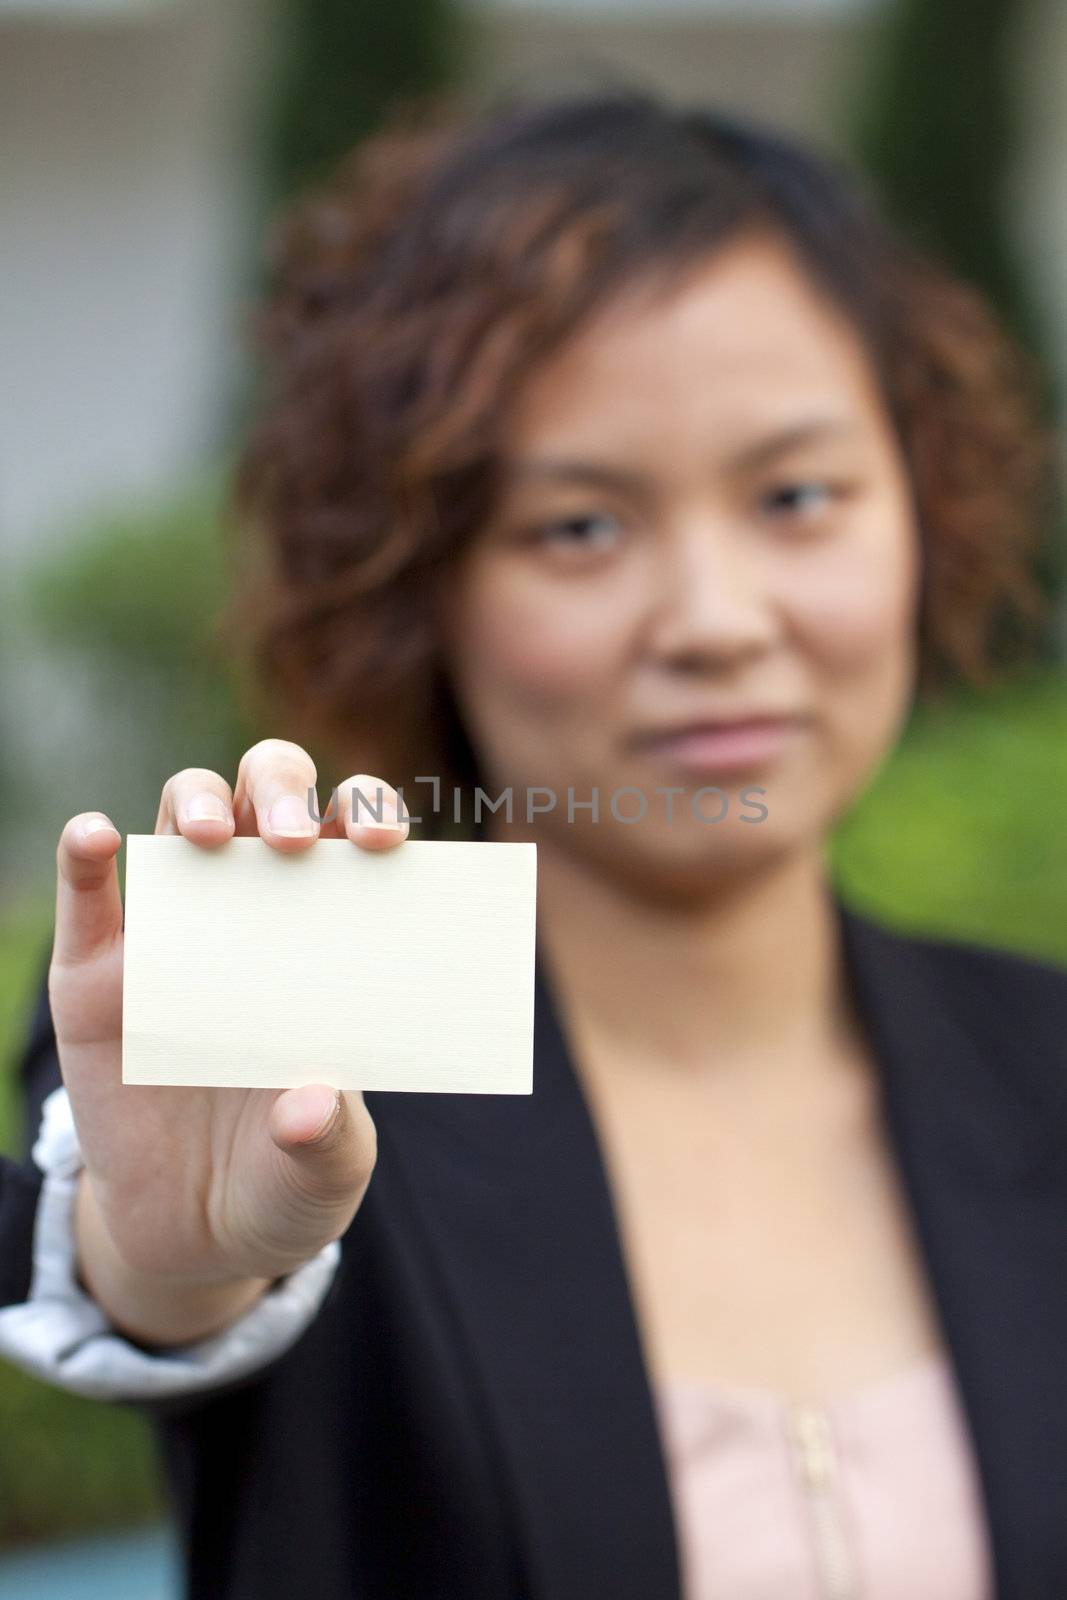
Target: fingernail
(97,825)
(290,817)
(390,818)
(330,1118)
(207,808)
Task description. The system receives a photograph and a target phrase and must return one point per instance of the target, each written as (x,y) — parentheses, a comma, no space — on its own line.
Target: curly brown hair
(414,293)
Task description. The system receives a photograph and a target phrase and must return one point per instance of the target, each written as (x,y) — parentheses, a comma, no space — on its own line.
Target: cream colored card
(407,968)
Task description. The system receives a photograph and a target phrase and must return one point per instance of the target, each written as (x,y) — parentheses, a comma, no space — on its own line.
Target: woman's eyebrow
(810,431)
(561,469)
(558,469)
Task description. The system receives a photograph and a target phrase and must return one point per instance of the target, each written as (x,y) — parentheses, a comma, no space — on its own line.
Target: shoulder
(1012,1004)
(991,975)
(979,970)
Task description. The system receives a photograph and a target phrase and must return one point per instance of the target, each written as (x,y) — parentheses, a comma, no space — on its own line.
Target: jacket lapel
(971,1112)
(512,1197)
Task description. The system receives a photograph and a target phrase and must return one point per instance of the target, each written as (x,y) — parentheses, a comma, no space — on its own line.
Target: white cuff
(61,1334)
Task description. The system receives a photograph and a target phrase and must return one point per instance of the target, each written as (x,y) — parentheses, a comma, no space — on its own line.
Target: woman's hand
(193,1201)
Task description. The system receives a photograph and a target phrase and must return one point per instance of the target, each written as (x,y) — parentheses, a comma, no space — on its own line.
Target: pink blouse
(870,1497)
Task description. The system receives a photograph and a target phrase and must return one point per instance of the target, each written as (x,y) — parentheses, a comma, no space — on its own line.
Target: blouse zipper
(817,1469)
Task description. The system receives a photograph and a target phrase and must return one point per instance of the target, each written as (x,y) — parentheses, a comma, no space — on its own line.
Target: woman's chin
(685,862)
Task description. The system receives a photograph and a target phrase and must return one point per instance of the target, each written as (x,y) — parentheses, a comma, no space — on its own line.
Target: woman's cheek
(542,647)
(859,629)
(856,612)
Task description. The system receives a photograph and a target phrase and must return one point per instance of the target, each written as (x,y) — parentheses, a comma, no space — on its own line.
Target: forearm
(152,1310)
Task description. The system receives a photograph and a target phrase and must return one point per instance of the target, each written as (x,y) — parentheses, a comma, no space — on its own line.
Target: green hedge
(962,832)
(67,1465)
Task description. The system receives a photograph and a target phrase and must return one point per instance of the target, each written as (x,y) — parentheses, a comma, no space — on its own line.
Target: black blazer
(469,1416)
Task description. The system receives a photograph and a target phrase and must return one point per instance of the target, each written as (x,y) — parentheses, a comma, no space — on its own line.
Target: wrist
(152,1309)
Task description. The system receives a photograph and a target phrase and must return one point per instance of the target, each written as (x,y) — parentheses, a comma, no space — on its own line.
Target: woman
(617,457)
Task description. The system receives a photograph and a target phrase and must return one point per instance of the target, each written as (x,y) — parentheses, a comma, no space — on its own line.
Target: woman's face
(705,517)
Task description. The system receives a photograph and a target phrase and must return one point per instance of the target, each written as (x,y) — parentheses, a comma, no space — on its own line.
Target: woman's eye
(584,532)
(799,498)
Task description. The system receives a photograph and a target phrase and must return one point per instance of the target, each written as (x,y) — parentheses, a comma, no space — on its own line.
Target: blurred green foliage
(346,63)
(934,116)
(128,616)
(961,833)
(67,1465)
(135,602)
(25,932)
(936,121)
(78,1466)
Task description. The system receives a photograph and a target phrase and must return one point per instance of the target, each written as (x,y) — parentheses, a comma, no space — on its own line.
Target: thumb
(329,1137)
(88,903)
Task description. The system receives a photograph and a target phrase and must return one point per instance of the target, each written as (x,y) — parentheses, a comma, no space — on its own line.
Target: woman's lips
(723,747)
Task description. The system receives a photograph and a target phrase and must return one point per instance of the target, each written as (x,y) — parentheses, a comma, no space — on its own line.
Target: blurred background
(145,145)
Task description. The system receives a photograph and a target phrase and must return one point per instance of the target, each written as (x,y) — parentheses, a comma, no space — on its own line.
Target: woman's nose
(709,598)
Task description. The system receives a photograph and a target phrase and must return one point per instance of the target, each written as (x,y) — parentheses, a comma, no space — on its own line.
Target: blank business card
(408,968)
